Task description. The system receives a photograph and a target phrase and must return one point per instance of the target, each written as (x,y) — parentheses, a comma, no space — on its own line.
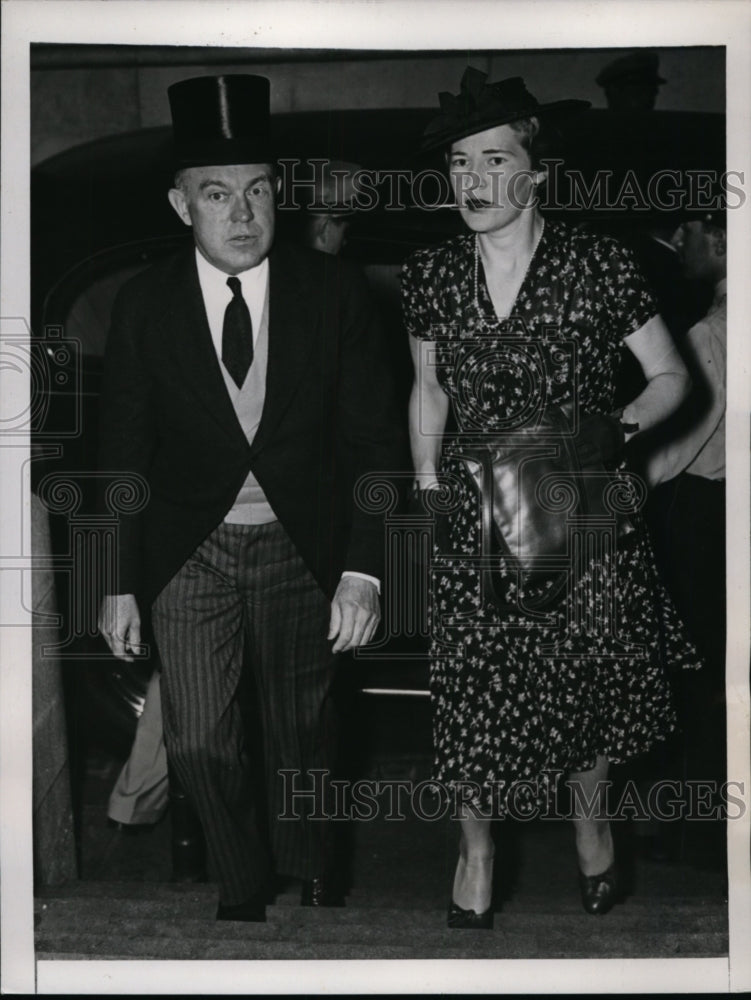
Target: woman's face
(492,178)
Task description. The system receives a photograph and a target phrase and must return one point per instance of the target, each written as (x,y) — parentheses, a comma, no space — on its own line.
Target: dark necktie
(237,335)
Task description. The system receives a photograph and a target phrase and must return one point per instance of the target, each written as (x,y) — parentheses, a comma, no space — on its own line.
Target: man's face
(698,247)
(231,210)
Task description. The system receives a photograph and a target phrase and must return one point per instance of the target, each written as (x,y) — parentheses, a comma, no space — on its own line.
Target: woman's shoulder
(438,259)
(584,241)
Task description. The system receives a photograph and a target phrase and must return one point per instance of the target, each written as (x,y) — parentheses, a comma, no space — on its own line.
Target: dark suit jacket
(328,417)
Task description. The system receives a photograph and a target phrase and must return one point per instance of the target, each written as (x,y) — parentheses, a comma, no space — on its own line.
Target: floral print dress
(520,696)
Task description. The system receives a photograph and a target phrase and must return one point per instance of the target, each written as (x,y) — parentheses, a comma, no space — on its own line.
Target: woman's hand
(668,381)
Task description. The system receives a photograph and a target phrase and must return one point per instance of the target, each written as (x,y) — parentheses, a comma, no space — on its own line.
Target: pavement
(401,869)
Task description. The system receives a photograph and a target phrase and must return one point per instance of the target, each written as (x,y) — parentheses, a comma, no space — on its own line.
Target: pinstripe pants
(246,597)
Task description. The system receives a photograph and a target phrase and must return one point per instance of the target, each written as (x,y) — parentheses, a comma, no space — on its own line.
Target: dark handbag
(538,484)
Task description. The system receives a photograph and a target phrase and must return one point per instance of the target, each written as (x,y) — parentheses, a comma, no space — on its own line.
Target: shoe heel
(599,893)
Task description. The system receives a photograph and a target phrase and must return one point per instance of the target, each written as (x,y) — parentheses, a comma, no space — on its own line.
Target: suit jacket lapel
(291,328)
(193,347)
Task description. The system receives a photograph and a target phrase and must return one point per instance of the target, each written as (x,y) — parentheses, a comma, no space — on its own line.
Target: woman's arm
(428,410)
(668,381)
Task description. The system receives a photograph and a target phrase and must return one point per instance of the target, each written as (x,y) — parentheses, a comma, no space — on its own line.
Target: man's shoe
(317,892)
(252,910)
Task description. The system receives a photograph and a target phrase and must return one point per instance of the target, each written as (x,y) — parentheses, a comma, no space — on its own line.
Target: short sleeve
(629,299)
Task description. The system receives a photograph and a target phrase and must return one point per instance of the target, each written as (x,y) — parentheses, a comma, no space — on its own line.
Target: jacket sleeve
(127,439)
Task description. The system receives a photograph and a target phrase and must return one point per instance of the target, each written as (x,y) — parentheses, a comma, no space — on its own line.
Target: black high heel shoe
(457,917)
(600,892)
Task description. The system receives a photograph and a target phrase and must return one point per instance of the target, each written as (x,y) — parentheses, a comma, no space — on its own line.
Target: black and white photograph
(375,544)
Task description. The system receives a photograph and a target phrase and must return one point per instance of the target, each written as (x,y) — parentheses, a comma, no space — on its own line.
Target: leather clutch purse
(539,484)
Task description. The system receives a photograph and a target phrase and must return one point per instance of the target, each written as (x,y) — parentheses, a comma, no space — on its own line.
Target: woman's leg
(473,881)
(594,843)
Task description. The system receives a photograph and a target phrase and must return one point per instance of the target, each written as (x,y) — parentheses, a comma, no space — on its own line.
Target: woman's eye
(496,161)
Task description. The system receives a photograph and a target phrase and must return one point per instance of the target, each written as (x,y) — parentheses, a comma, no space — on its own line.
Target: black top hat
(636,67)
(221,120)
(480,105)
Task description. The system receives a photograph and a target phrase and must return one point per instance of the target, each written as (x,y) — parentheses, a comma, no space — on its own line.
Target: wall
(75,103)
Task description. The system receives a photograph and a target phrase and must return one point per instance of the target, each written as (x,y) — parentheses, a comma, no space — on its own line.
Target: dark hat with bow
(221,120)
(480,105)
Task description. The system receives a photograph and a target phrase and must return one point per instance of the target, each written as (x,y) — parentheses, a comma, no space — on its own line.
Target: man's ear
(180,204)
(719,242)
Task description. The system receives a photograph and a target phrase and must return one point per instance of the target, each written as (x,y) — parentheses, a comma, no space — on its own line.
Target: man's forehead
(229,172)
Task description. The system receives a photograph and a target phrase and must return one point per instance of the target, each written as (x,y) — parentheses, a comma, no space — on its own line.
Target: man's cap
(333,191)
(221,120)
(480,105)
(634,68)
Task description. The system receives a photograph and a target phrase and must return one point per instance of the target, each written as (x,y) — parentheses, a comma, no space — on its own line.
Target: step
(178,922)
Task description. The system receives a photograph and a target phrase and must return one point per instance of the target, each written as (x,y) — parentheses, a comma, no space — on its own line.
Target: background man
(243,381)
(332,206)
(688,512)
(631,82)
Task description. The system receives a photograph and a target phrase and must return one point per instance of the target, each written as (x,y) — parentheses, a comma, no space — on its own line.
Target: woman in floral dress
(522,313)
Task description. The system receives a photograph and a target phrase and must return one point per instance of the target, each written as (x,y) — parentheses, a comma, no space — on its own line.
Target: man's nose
(677,239)
(241,209)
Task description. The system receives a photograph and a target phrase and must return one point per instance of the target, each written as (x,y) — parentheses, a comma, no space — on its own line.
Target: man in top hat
(244,382)
(631,82)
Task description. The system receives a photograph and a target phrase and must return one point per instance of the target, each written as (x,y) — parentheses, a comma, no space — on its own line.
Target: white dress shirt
(700,450)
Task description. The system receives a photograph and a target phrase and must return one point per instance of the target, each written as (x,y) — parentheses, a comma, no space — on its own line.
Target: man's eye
(259,191)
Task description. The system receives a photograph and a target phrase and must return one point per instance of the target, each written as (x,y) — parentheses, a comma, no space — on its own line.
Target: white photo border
(363,24)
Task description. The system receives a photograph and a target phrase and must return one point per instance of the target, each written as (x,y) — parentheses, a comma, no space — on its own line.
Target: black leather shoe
(600,892)
(458,917)
(252,910)
(318,892)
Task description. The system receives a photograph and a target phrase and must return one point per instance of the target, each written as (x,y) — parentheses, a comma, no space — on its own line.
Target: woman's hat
(221,120)
(480,105)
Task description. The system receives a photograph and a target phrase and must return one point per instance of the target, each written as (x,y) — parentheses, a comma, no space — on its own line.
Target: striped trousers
(245,601)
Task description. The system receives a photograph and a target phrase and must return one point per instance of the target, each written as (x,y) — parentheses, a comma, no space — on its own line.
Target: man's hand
(355,613)
(120,624)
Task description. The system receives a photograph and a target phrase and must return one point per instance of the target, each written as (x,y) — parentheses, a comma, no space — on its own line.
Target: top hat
(221,120)
(480,105)
(636,67)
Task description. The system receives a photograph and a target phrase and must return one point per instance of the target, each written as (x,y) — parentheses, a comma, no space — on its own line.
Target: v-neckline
(480,276)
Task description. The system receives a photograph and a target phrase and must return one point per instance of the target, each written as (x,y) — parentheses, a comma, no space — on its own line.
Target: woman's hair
(541,139)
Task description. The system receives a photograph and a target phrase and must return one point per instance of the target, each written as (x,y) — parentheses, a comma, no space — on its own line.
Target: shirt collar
(251,280)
